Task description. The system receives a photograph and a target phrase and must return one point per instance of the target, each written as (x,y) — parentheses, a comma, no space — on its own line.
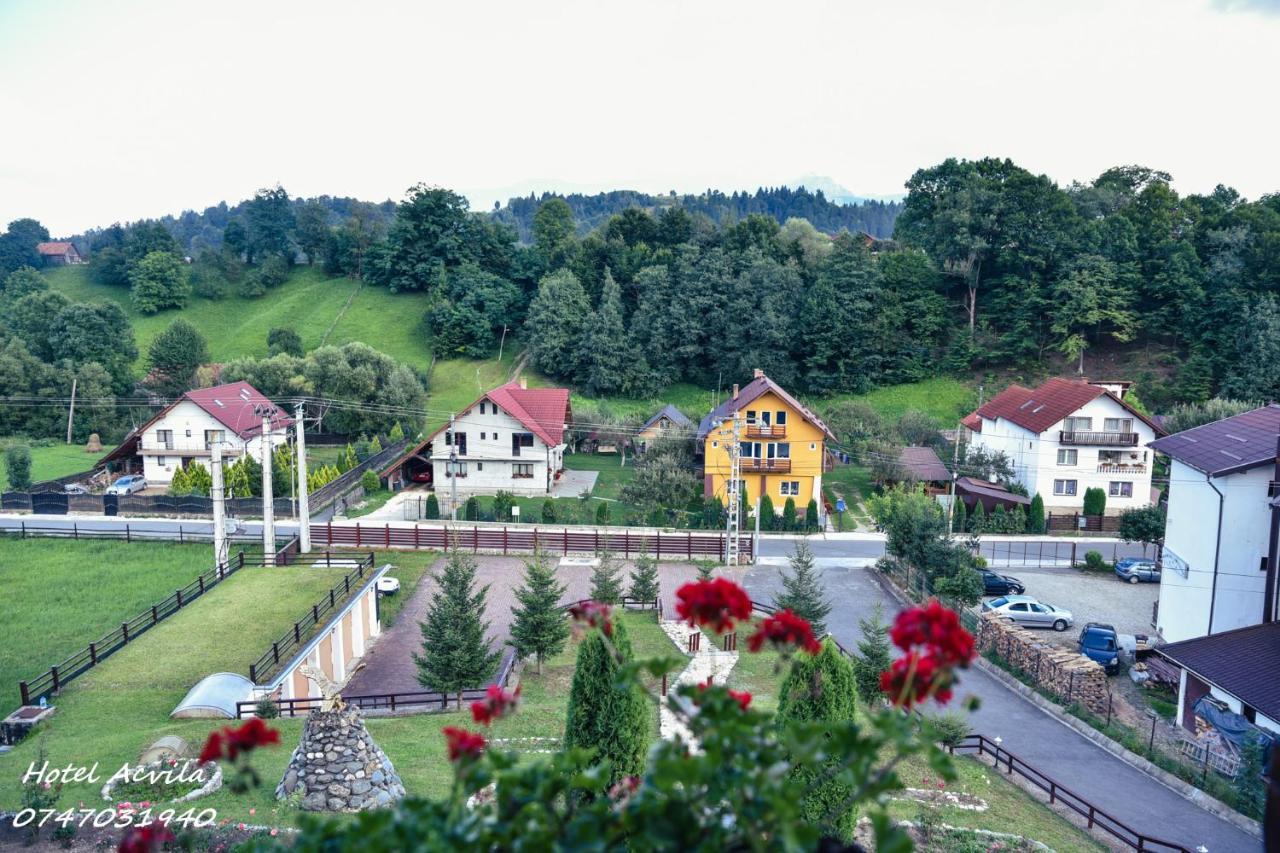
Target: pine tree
(768,518)
(432,508)
(802,590)
(606,580)
(396,434)
(348,460)
(611,718)
(1035,518)
(375,446)
(539,627)
(178,483)
(605,353)
(959,518)
(455,649)
(874,656)
(821,688)
(644,580)
(706,570)
(978,518)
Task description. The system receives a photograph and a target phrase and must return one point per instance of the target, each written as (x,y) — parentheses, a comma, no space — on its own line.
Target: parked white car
(127,485)
(1026,610)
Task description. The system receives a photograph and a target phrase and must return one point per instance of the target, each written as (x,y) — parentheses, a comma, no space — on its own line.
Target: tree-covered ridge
(779,203)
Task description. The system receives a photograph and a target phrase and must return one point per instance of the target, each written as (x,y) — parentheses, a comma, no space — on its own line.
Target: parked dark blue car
(1135,569)
(1099,643)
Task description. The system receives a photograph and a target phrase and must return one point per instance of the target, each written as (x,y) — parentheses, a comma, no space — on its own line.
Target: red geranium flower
(713,604)
(595,615)
(914,678)
(934,629)
(461,743)
(743,698)
(783,630)
(146,839)
(497,703)
(230,742)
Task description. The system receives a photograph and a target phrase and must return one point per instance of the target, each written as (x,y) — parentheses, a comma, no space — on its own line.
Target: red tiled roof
(973,421)
(545,411)
(232,405)
(54,248)
(1037,409)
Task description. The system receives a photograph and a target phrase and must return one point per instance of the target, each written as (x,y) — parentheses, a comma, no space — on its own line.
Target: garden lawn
(49,462)
(121,707)
(371,502)
(61,595)
(693,401)
(946,400)
(408,567)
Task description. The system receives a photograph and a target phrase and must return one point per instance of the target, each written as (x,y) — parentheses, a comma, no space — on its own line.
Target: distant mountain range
(837,192)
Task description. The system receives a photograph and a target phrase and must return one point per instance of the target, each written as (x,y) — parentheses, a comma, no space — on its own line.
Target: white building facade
(1066,437)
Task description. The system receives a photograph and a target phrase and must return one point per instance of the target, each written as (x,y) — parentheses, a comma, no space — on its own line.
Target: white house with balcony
(1219,556)
(510,439)
(1066,436)
(185,432)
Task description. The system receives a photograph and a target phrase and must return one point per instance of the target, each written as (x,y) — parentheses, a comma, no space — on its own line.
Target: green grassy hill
(312,304)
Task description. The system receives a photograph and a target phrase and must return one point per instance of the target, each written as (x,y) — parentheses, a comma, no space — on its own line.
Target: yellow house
(783,446)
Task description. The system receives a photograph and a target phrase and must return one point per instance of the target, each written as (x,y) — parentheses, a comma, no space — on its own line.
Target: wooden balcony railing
(1099,439)
(782,466)
(766,431)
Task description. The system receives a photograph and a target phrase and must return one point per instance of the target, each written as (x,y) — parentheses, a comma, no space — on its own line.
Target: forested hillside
(993,270)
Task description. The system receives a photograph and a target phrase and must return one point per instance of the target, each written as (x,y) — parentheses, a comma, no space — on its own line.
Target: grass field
(945,400)
(50,461)
(60,596)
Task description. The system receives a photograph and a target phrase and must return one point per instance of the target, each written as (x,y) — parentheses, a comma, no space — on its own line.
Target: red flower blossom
(594,615)
(146,839)
(497,703)
(936,630)
(714,604)
(783,630)
(914,678)
(624,789)
(461,743)
(743,698)
(229,742)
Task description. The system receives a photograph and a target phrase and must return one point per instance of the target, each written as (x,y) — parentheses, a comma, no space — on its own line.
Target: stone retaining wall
(1069,675)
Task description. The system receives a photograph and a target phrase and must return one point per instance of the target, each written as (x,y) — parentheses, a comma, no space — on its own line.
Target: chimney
(524,383)
(735,391)
(757,373)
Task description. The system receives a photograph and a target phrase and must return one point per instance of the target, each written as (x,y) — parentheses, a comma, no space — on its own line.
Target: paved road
(1005,552)
(1027,731)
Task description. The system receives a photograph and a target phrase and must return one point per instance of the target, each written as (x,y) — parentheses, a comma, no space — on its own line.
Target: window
(495,436)
(522,470)
(482,435)
(813,445)
(214,436)
(160,461)
(750,450)
(1067,457)
(1119,489)
(751,416)
(789,488)
(1064,487)
(781,450)
(1118,424)
(1077,424)
(460,469)
(165,438)
(781,419)
(1020,607)
(482,412)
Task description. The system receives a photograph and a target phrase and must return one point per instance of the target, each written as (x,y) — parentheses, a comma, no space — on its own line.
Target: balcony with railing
(1098,439)
(190,447)
(1121,468)
(766,431)
(753,465)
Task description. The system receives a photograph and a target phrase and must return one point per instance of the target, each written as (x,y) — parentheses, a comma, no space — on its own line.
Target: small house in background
(185,431)
(972,491)
(667,422)
(922,465)
(59,254)
(1231,680)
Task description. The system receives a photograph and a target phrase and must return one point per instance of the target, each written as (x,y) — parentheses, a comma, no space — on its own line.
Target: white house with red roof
(1066,436)
(510,439)
(185,431)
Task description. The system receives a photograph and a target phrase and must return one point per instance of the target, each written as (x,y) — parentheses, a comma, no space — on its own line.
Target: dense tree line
(780,203)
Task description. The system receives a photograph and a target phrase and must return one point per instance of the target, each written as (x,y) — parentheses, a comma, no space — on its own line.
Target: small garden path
(708,663)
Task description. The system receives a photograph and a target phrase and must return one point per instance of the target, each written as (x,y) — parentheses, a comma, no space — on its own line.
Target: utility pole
(502,342)
(218,494)
(304,505)
(733,522)
(71,412)
(955,472)
(268,499)
(453,471)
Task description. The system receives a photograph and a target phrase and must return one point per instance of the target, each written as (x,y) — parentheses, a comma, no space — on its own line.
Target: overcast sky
(132,108)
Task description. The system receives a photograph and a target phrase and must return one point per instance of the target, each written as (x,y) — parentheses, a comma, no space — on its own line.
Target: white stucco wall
(188,423)
(1191,537)
(1035,459)
(489,456)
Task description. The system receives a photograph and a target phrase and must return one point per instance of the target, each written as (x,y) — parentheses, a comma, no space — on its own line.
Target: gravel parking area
(1091,598)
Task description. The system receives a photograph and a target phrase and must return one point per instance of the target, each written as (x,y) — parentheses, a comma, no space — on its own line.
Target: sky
(115,111)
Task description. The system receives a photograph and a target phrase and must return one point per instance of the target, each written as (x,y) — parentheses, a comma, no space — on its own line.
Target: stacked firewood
(1070,676)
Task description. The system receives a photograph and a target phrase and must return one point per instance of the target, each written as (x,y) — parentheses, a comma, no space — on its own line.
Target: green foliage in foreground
(608,711)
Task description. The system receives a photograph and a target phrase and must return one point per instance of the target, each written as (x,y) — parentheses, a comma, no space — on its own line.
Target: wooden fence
(52,681)
(1067,522)
(269,663)
(25,530)
(507,540)
(61,503)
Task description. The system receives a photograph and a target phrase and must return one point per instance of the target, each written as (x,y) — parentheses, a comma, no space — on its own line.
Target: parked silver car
(127,485)
(1026,610)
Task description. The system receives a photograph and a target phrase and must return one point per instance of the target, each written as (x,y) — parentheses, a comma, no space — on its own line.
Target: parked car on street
(1026,610)
(994,584)
(127,485)
(75,489)
(1100,643)
(1135,569)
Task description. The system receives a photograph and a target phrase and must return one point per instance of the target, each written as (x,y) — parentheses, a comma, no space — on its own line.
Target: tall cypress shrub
(1035,517)
(603,715)
(821,688)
